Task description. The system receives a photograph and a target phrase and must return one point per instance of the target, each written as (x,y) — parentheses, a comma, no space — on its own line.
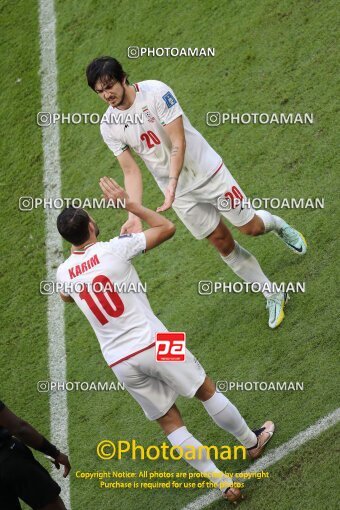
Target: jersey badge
(169,99)
(148,114)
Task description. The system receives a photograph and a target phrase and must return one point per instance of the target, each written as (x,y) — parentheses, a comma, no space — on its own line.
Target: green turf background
(270,57)
(23,310)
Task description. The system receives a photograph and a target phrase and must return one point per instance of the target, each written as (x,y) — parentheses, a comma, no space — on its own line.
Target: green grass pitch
(270,57)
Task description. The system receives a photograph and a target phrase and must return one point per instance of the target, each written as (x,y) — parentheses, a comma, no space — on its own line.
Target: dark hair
(102,68)
(73,225)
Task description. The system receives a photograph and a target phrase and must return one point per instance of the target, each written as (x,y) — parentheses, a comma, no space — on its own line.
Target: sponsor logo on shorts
(170,346)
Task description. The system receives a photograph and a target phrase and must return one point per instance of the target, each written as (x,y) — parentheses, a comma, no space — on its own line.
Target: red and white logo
(170,346)
(148,114)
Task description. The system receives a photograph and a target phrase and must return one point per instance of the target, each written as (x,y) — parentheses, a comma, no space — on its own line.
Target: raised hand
(112,191)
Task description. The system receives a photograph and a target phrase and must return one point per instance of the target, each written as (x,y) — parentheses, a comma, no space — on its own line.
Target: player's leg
(234,205)
(246,266)
(240,260)
(228,418)
(240,214)
(203,220)
(254,227)
(231,201)
(148,383)
(189,379)
(179,437)
(264,222)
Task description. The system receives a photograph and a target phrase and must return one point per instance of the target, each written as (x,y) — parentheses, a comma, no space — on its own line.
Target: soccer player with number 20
(189,172)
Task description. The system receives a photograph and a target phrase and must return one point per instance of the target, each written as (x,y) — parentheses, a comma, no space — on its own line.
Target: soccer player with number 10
(126,328)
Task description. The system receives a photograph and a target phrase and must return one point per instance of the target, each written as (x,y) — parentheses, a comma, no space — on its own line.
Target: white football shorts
(200,209)
(155,385)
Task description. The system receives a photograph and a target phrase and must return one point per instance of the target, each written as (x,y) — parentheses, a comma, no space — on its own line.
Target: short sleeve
(128,246)
(167,105)
(116,146)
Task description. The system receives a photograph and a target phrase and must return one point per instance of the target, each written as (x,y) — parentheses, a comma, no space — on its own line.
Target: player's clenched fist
(112,191)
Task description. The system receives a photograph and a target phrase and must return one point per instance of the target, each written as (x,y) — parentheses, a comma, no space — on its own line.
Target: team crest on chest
(148,114)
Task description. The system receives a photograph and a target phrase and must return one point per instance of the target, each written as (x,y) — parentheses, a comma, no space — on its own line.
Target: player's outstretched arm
(31,437)
(160,229)
(133,183)
(175,131)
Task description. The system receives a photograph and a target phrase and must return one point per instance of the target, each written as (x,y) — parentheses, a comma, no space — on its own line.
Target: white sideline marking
(274,456)
(52,185)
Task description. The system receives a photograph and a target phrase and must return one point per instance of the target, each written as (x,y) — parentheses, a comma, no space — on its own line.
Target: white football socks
(227,416)
(183,438)
(270,221)
(245,265)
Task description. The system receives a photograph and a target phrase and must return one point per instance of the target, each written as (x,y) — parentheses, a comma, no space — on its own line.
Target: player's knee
(255,227)
(251,230)
(223,244)
(171,420)
(222,240)
(206,391)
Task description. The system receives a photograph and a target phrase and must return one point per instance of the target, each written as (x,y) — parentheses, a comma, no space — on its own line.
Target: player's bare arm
(19,428)
(134,186)
(175,131)
(161,229)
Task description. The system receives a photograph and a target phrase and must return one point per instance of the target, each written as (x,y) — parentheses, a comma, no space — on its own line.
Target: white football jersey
(103,282)
(156,105)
